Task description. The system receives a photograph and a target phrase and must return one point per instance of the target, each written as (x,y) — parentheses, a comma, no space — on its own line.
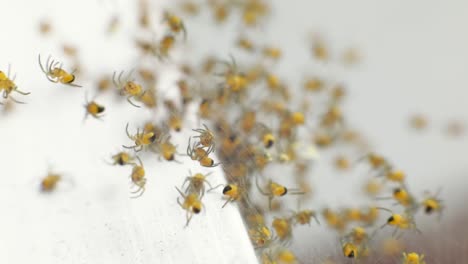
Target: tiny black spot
(390,219)
(227,189)
(196,210)
(101,109)
(171,157)
(152,138)
(351,255)
(120,161)
(285,191)
(429,209)
(269,143)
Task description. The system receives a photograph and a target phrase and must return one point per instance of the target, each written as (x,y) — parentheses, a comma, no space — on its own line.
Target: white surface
(94,220)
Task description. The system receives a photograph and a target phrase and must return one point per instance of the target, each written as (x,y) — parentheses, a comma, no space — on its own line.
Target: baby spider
(266,135)
(286,256)
(283,228)
(248,120)
(190,7)
(350,250)
(8,86)
(245,44)
(206,138)
(175,23)
(138,178)
(413,258)
(56,74)
(195,152)
(157,129)
(167,149)
(49,182)
(141,140)
(200,154)
(357,235)
(401,221)
(208,162)
(122,158)
(128,87)
(192,204)
(230,144)
(276,190)
(351,214)
(319,48)
(432,204)
(273,53)
(334,219)
(278,255)
(303,217)
(404,198)
(234,81)
(373,187)
(371,214)
(260,235)
(149,98)
(45,27)
(94,109)
(354,250)
(341,163)
(175,121)
(197,184)
(164,47)
(397,176)
(186,91)
(377,163)
(232,192)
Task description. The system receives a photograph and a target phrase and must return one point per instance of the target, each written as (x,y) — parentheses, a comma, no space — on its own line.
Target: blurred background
(413,58)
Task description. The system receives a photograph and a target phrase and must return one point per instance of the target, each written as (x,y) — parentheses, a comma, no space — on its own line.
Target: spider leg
(21,92)
(74,85)
(16,101)
(114,80)
(132,103)
(227,201)
(40,64)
